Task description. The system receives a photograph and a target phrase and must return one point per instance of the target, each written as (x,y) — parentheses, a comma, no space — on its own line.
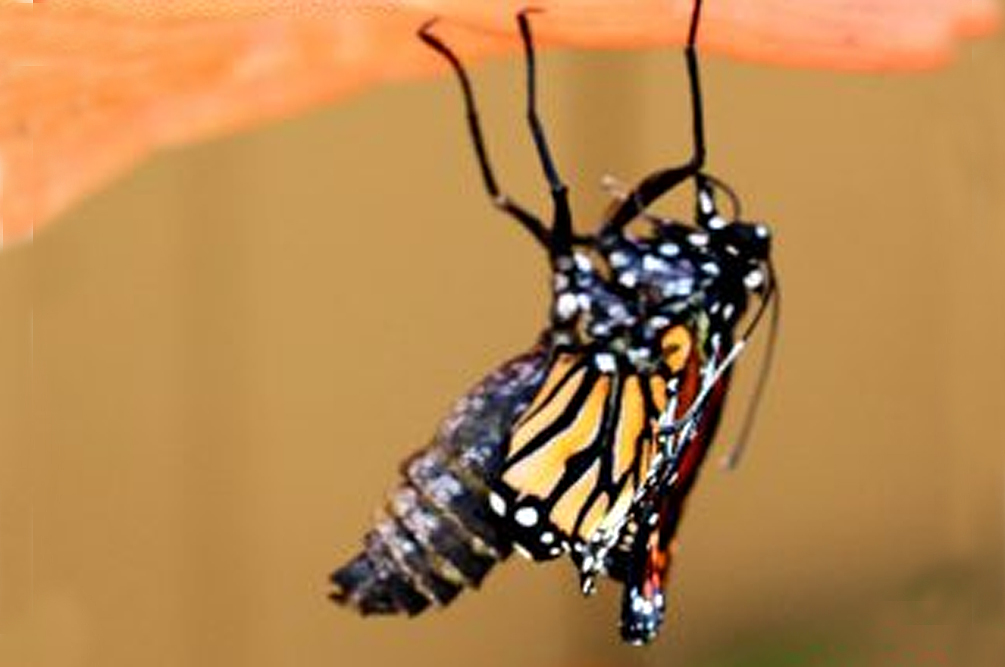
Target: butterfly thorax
(618,295)
(642,328)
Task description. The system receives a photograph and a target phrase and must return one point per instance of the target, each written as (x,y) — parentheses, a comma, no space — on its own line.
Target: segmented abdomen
(437,535)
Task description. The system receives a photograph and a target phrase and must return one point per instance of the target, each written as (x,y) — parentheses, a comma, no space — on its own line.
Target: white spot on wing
(526,516)
(497,504)
(605,363)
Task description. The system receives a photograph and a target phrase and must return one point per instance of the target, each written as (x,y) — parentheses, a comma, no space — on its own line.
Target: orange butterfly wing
(579,453)
(643,558)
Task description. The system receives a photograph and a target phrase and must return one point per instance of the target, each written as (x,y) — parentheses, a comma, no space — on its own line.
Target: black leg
(499,200)
(660,182)
(561,233)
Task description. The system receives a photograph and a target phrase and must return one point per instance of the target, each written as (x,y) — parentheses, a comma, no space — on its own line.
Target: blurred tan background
(211,371)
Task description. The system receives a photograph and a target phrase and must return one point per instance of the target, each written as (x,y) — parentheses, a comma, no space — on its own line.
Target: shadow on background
(227,355)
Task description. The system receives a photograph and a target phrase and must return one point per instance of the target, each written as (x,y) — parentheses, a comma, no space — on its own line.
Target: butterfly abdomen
(436,535)
(415,556)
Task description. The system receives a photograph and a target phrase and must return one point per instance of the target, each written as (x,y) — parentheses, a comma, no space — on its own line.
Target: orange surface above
(88,87)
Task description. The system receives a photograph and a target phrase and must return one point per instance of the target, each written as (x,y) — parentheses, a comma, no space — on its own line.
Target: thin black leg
(655,185)
(501,201)
(697,111)
(561,233)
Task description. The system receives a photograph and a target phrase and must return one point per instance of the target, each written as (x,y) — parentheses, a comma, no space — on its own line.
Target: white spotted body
(589,444)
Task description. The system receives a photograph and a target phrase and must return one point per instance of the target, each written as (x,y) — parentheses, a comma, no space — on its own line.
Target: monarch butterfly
(589,443)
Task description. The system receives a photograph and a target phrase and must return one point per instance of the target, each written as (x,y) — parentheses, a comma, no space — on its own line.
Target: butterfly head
(742,246)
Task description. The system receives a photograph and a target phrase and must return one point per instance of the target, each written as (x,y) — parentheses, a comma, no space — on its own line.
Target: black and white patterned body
(437,535)
(641,328)
(589,444)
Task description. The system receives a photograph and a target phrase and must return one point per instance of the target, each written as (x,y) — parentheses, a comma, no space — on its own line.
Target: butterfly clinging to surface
(588,444)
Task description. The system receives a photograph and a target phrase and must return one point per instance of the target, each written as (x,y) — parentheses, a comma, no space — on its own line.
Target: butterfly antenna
(772,300)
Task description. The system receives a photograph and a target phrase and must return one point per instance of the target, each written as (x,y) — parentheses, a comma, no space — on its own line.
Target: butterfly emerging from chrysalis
(588,444)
